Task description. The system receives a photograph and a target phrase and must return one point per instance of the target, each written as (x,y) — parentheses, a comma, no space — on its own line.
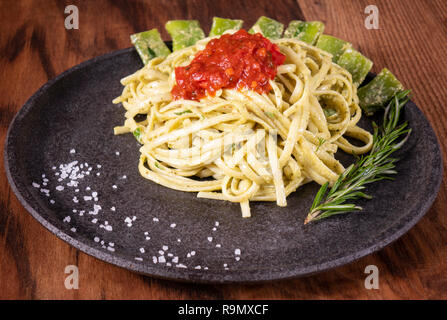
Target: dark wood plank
(34,47)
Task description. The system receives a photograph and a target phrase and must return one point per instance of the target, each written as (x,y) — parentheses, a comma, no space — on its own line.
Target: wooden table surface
(35,47)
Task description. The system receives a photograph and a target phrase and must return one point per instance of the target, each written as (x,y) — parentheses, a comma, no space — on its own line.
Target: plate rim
(199,276)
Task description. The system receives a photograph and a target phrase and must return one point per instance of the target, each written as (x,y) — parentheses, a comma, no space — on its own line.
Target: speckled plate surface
(114,214)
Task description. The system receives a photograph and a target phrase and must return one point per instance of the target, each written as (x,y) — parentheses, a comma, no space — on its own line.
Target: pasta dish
(206,126)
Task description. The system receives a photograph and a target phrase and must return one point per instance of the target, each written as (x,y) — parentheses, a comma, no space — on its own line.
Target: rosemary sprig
(375,166)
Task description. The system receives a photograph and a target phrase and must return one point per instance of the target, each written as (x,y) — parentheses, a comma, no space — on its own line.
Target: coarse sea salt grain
(210,239)
(96,209)
(36,185)
(173,225)
(107,227)
(161,259)
(142,250)
(60,188)
(237,251)
(128,221)
(67,219)
(165,248)
(96,239)
(72,151)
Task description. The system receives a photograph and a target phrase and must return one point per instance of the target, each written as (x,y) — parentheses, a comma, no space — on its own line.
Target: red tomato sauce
(240,60)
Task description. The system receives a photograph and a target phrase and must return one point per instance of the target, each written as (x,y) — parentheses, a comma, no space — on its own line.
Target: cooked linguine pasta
(241,145)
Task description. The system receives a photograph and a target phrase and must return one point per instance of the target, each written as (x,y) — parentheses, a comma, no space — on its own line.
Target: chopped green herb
(329,112)
(157,165)
(270,115)
(137,134)
(183,112)
(320,143)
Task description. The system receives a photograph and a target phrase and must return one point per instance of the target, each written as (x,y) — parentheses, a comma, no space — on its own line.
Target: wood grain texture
(34,47)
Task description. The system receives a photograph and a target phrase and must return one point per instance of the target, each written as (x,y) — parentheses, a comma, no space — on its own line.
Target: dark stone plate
(71,118)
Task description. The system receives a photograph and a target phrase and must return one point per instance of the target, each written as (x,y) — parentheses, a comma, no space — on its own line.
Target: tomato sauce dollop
(239,60)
